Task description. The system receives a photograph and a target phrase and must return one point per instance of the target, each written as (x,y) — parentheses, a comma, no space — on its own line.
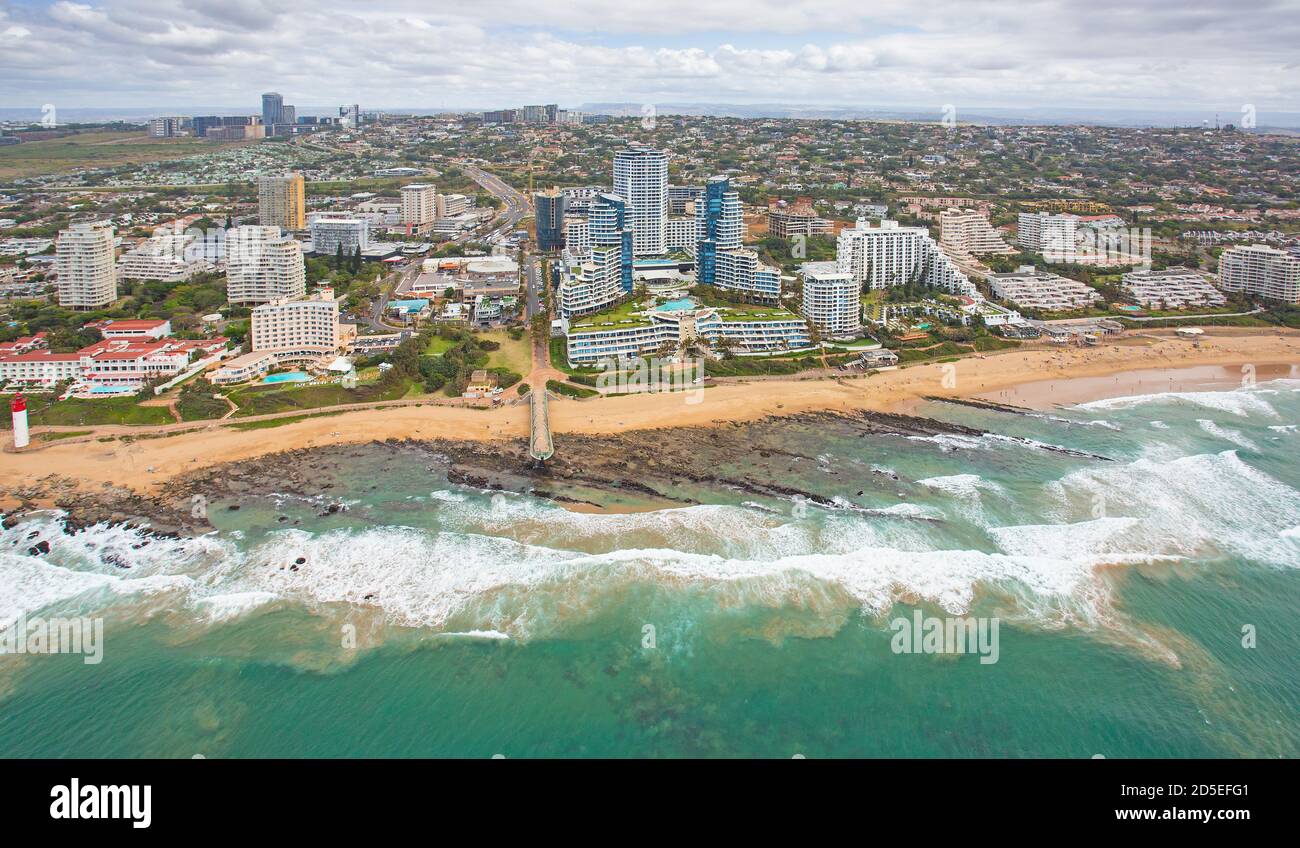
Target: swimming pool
(676,305)
(287,377)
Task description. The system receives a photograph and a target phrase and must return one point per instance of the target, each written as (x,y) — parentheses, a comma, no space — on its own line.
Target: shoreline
(1031,378)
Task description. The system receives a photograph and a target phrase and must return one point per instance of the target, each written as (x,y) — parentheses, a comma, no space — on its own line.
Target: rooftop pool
(287,377)
(677,305)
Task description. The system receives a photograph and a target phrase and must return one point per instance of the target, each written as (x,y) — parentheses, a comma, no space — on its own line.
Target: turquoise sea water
(431,619)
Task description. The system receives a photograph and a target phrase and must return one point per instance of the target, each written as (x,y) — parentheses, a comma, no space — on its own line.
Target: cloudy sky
(1140,54)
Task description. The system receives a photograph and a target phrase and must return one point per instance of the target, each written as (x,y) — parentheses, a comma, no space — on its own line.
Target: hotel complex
(85,262)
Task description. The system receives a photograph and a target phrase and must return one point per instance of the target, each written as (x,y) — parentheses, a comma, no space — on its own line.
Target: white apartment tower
(262,265)
(1262,271)
(85,262)
(831,302)
(1045,233)
(892,255)
(641,178)
(419,206)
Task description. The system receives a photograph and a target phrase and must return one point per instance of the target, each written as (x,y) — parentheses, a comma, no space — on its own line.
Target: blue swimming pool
(287,377)
(676,305)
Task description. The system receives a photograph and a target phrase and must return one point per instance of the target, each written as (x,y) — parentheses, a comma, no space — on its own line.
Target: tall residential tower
(641,179)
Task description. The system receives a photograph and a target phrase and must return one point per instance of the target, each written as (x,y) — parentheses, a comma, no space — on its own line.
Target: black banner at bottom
(215,797)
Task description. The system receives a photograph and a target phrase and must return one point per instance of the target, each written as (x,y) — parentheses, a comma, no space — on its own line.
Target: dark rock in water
(41,547)
(282,518)
(370,597)
(293,568)
(9,522)
(301,560)
(115,560)
(233,507)
(33,534)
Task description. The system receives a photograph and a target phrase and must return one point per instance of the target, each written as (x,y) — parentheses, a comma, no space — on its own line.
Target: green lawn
(569,391)
(256,400)
(438,346)
(45,410)
(516,356)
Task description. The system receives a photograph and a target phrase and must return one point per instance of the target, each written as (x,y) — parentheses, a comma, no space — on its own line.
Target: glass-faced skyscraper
(272,109)
(641,179)
(719,224)
(549,206)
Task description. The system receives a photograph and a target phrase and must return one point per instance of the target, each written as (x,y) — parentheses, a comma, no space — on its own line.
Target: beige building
(262,265)
(305,330)
(967,232)
(419,206)
(86,265)
(281,202)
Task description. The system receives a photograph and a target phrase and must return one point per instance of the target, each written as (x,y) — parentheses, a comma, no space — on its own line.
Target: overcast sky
(1140,54)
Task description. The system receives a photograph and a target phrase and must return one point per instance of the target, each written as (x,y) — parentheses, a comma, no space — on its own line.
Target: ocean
(1144,584)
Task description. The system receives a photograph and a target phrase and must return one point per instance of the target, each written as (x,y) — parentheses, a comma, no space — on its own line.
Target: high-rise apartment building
(1045,233)
(832,300)
(419,206)
(262,265)
(86,265)
(282,201)
(549,208)
(602,274)
(1262,271)
(641,179)
(332,234)
(719,225)
(891,255)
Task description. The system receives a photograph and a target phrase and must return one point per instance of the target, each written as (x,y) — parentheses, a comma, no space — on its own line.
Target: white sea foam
(1242,402)
(232,605)
(1194,506)
(1234,436)
(962,485)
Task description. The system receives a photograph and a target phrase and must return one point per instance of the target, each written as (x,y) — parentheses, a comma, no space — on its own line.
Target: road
(516,209)
(517,206)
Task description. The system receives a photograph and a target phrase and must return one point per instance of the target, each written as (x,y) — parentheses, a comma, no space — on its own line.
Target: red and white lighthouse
(19,408)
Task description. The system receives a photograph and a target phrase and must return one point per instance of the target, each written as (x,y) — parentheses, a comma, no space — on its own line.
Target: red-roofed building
(133,328)
(24,344)
(40,367)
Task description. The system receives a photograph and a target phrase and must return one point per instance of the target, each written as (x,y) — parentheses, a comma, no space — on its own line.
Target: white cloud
(399,53)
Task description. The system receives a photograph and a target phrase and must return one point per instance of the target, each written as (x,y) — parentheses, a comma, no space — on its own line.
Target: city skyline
(174,54)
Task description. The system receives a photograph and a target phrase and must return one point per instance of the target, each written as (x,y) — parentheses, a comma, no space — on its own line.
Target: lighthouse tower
(19,407)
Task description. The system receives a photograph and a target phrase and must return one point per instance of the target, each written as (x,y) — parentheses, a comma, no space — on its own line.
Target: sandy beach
(1036,378)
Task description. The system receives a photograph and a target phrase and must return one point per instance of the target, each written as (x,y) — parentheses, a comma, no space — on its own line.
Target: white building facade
(86,265)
